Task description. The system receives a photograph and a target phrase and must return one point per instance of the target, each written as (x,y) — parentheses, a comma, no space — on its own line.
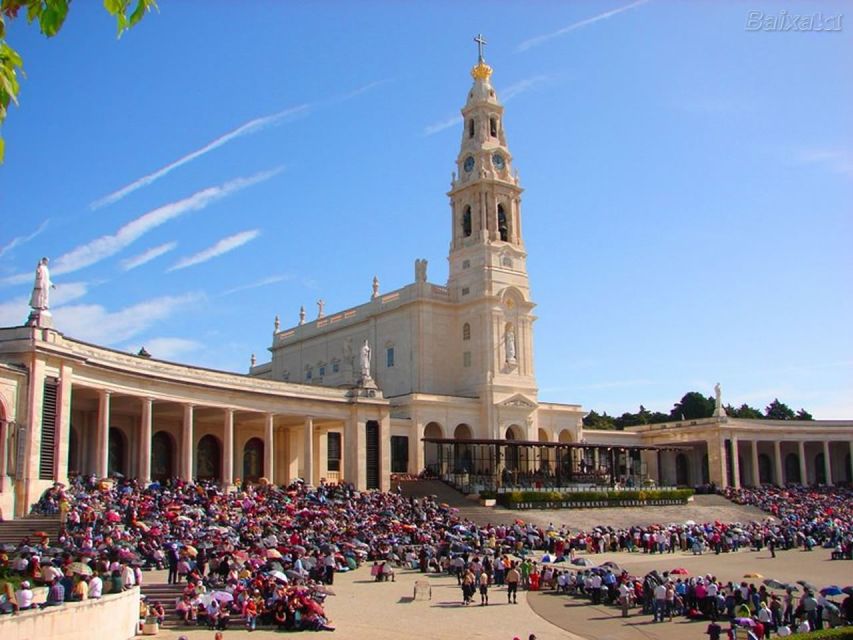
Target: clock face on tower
(498,161)
(469,164)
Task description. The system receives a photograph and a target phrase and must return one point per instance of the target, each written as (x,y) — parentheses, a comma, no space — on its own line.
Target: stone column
(187,444)
(355,451)
(269,448)
(756,476)
(102,459)
(827,462)
(145,441)
(779,471)
(228,449)
(735,463)
(308,450)
(804,478)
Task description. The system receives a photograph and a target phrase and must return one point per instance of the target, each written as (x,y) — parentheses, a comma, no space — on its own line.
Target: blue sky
(687,210)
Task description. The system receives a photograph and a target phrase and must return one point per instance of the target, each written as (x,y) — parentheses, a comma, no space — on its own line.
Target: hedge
(513,499)
(839,633)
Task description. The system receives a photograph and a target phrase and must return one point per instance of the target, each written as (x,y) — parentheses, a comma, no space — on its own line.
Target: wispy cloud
(17,242)
(147,256)
(165,348)
(93,323)
(14,312)
(538,40)
(442,125)
(252,126)
(220,248)
(359,91)
(106,246)
(835,160)
(522,86)
(256,285)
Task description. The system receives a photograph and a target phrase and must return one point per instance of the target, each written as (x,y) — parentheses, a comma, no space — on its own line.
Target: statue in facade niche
(510,344)
(365,359)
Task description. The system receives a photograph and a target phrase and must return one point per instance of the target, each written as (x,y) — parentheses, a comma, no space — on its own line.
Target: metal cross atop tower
(481,41)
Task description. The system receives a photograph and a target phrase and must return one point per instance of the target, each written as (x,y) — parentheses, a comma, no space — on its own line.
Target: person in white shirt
(127,576)
(660,602)
(804,627)
(96,586)
(24,596)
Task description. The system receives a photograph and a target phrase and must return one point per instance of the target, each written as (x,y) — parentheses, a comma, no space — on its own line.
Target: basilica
(432,377)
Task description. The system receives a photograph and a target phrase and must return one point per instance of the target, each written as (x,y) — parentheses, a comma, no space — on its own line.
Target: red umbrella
(680,571)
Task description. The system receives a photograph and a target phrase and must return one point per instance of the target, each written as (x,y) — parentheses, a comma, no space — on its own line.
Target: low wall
(112,617)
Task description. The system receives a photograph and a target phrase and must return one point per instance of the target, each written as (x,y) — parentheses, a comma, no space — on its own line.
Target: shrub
(839,633)
(578,497)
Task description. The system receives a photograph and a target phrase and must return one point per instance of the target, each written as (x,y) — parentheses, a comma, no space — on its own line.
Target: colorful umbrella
(752,575)
(832,590)
(80,568)
(680,571)
(274,553)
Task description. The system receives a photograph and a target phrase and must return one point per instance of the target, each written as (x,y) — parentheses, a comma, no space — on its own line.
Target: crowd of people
(269,555)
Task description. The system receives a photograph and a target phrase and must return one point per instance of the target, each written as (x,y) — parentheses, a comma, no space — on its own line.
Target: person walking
(484,589)
(512,579)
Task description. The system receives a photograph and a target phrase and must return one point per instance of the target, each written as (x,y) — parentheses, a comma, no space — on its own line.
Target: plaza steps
(13,531)
(469,506)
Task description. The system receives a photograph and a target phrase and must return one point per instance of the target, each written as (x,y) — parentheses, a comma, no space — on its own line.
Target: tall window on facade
(502,225)
(466,331)
(471,128)
(493,127)
(466,222)
(399,454)
(389,357)
(333,451)
(466,359)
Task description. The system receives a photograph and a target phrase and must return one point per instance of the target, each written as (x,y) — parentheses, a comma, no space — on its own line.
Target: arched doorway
(208,458)
(514,453)
(162,466)
(462,456)
(432,430)
(792,468)
(682,470)
(253,459)
(765,469)
(73,452)
(116,453)
(819,469)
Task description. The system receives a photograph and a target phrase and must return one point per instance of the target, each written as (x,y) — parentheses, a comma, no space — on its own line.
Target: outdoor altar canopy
(507,465)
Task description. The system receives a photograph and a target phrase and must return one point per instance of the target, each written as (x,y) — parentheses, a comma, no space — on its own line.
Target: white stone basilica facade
(351,396)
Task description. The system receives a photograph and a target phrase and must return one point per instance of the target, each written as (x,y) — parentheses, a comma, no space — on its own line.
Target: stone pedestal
(40,318)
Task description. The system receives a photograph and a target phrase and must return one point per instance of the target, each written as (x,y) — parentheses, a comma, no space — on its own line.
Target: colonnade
(732,454)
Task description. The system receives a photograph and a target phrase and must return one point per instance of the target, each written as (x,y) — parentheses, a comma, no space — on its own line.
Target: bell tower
(488,271)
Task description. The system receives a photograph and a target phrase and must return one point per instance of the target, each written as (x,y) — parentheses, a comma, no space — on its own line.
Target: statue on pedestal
(375,288)
(420,270)
(719,412)
(40,298)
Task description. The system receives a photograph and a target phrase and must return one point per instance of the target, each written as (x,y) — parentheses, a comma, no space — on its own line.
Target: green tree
(693,405)
(594,420)
(802,414)
(778,411)
(743,411)
(50,15)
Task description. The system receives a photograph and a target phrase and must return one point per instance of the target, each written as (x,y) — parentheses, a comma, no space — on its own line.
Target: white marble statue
(302,314)
(365,359)
(40,300)
(719,412)
(510,344)
(321,304)
(420,270)
(375,287)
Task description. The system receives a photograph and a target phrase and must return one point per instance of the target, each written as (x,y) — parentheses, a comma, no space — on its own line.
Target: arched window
(493,127)
(253,459)
(471,128)
(208,458)
(502,224)
(466,331)
(116,452)
(162,446)
(466,222)
(792,468)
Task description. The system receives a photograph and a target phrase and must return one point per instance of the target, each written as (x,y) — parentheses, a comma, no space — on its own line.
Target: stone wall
(112,617)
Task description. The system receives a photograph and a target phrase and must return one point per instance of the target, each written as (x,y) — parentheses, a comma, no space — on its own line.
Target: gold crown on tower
(481,71)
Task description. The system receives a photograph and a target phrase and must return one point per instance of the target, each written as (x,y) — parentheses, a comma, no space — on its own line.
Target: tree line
(692,406)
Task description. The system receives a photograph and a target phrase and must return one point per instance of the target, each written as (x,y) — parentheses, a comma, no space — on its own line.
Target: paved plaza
(363,609)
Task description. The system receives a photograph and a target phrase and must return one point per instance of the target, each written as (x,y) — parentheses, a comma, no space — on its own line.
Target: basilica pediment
(518,401)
